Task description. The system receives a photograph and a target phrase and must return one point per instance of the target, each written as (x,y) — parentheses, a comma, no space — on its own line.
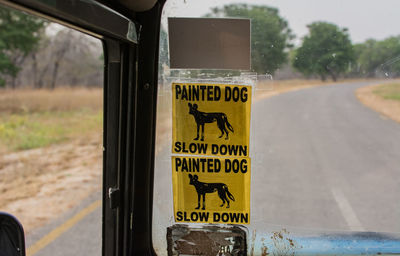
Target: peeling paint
(206,240)
(328,243)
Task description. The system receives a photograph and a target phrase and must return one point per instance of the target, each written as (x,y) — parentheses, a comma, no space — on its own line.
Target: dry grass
(389,91)
(62,99)
(383,98)
(37,118)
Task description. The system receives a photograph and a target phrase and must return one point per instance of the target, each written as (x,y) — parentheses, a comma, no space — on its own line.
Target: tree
(270,34)
(64,57)
(379,57)
(76,60)
(64,43)
(19,35)
(326,51)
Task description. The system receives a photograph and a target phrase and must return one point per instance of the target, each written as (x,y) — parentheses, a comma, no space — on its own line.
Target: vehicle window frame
(130,44)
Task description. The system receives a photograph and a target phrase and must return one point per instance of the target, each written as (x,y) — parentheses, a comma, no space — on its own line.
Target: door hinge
(114,196)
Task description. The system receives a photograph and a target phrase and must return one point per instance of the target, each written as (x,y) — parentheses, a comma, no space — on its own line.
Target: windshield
(323,130)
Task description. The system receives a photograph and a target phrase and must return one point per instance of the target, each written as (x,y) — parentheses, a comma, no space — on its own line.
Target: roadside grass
(389,91)
(383,98)
(27,131)
(269,88)
(61,99)
(38,118)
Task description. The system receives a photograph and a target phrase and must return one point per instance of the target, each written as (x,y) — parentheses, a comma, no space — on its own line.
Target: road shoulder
(387,108)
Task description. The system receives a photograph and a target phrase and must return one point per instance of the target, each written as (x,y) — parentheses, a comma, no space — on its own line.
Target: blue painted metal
(365,243)
(353,243)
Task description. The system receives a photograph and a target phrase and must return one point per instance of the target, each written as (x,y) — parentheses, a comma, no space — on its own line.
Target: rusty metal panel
(206,240)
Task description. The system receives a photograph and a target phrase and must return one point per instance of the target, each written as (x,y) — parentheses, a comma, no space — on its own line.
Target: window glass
(324,122)
(51,133)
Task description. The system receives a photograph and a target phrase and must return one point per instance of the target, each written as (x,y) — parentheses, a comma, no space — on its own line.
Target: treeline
(325,52)
(39,54)
(36,53)
(328,52)
(378,58)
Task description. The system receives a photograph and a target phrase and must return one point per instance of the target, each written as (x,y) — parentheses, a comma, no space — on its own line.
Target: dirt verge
(40,184)
(388,108)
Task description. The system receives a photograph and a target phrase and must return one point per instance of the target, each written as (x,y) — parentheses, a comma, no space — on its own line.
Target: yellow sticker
(211,119)
(211,189)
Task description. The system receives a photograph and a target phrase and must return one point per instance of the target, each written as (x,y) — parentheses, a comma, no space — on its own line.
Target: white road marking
(347,211)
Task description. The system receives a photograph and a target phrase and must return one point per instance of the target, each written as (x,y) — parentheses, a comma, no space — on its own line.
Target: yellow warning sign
(211,189)
(211,119)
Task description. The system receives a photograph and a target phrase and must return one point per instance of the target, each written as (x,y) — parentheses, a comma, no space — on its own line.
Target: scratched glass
(324,131)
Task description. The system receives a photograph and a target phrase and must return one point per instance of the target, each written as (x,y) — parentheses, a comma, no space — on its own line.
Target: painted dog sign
(210,147)
(208,189)
(210,116)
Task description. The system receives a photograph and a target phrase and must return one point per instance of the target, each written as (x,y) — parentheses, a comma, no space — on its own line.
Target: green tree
(379,57)
(19,35)
(270,34)
(326,51)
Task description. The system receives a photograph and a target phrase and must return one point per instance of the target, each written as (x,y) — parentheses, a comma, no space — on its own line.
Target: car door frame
(131,44)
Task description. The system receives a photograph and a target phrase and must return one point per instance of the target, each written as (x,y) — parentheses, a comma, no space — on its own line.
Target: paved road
(325,161)
(83,238)
(322,161)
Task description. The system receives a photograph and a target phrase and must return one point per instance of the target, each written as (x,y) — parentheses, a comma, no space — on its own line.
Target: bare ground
(386,107)
(40,184)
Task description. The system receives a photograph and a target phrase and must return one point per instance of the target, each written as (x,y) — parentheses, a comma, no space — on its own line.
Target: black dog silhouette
(202,188)
(202,117)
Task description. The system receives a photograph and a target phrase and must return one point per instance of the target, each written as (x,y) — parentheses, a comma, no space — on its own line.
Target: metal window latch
(114,196)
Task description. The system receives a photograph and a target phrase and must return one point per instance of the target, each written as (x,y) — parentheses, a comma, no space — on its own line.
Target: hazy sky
(364,18)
